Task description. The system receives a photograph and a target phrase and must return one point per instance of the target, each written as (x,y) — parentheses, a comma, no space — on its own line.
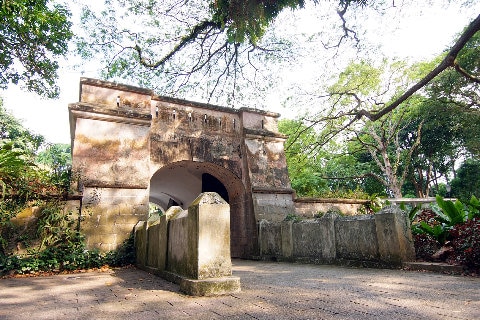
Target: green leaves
(451,213)
(13,169)
(248,20)
(32,37)
(446,216)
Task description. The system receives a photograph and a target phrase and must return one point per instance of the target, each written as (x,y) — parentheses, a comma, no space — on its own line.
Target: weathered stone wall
(111,154)
(356,238)
(115,96)
(272,206)
(110,159)
(268,174)
(310,207)
(383,238)
(185,132)
(109,215)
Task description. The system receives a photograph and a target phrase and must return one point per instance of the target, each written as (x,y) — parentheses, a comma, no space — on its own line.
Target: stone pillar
(140,244)
(395,243)
(327,229)
(199,242)
(287,239)
(199,248)
(157,239)
(266,165)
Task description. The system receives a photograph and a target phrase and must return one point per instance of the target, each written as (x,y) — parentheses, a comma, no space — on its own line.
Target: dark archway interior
(212,184)
(181,182)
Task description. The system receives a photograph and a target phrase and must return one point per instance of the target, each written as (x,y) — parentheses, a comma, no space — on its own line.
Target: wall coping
(114,85)
(154,97)
(331,200)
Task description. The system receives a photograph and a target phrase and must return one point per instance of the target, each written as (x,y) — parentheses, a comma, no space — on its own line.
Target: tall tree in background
(57,160)
(466,183)
(382,140)
(33,36)
(12,130)
(304,164)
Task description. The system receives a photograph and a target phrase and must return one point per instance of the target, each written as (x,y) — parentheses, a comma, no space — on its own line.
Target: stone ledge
(439,267)
(210,287)
(205,287)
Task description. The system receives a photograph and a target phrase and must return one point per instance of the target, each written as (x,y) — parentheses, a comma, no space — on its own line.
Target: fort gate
(131,148)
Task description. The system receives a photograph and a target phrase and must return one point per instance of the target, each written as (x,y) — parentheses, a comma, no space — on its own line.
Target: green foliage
(445,215)
(432,231)
(57,159)
(467,181)
(292,217)
(412,211)
(317,170)
(12,130)
(301,156)
(361,78)
(123,256)
(450,213)
(13,166)
(54,244)
(247,20)
(374,205)
(33,36)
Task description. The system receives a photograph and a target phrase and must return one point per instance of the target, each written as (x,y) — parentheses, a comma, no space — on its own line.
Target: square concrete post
(140,243)
(157,238)
(287,239)
(209,236)
(327,229)
(395,243)
(199,248)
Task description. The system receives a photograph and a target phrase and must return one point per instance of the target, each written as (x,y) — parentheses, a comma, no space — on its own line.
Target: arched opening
(212,184)
(179,183)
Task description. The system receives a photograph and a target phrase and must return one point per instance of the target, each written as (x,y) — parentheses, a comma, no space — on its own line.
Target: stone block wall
(380,239)
(109,215)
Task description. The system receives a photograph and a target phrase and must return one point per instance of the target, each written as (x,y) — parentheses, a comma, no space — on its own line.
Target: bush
(466,244)
(425,246)
(67,257)
(450,231)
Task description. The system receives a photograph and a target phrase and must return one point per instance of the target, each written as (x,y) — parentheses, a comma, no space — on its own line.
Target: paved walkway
(269,291)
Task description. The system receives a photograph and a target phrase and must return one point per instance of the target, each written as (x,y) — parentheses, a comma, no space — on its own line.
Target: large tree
(221,46)
(34,34)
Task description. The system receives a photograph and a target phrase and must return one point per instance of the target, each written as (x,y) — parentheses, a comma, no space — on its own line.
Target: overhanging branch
(192,36)
(447,62)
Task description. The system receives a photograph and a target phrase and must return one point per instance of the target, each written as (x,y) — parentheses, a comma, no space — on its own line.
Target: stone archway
(123,136)
(179,183)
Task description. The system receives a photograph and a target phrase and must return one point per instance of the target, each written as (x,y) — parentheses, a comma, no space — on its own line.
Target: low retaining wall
(310,207)
(191,248)
(383,239)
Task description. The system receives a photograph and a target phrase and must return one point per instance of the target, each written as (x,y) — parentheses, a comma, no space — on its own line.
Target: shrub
(67,257)
(466,243)
(449,224)
(292,217)
(425,246)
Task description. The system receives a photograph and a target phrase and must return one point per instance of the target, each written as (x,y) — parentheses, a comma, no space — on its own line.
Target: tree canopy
(217,50)
(33,36)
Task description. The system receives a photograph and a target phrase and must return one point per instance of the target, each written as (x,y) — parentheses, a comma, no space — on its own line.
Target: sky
(422,34)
